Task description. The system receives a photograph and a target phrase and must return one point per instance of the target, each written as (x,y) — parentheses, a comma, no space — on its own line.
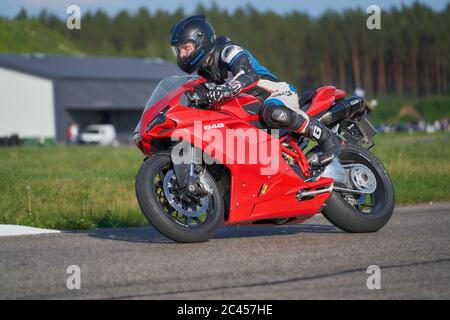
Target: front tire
(165,219)
(351,218)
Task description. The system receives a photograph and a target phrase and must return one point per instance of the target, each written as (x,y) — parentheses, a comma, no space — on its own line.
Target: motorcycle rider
(196,47)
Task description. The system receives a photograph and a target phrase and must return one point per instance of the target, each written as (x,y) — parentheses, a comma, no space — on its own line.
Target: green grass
(79,187)
(69,187)
(419,165)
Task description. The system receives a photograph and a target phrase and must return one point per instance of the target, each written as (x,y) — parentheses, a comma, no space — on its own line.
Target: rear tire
(160,219)
(347,217)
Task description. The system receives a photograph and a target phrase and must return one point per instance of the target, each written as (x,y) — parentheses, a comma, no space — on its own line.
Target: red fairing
(322,100)
(264,186)
(340,94)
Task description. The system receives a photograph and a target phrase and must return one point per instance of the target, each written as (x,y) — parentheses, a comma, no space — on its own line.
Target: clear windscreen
(163,88)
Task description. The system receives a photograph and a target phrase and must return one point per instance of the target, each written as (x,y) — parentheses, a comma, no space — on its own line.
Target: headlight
(160,118)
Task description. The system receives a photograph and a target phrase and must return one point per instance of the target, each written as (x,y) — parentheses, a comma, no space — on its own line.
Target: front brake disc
(192,209)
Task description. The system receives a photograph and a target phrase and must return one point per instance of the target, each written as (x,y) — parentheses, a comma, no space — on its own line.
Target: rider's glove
(217,93)
(198,97)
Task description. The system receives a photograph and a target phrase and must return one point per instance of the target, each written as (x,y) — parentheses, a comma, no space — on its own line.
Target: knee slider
(276,116)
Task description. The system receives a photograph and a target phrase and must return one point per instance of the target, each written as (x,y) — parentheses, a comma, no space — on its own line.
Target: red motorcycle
(209,165)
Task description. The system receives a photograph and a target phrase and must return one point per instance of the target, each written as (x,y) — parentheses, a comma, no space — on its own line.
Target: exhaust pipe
(343,109)
(307,195)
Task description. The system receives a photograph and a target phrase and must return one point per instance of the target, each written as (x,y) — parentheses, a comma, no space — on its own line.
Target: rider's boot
(328,141)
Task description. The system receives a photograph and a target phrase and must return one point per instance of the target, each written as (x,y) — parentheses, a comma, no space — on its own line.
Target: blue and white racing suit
(249,76)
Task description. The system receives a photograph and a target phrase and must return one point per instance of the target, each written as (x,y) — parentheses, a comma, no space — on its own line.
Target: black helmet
(198,30)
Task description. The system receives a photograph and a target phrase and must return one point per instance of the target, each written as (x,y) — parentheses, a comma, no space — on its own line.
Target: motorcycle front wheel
(180,218)
(366,211)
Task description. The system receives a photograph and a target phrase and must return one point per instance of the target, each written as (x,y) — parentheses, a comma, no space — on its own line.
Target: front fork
(184,168)
(183,165)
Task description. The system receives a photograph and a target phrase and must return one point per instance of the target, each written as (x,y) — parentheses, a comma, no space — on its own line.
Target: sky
(10,8)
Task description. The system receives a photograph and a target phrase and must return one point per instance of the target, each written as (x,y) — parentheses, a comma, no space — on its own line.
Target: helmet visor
(184,50)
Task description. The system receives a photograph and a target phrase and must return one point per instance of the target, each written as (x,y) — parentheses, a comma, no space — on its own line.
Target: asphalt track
(313,260)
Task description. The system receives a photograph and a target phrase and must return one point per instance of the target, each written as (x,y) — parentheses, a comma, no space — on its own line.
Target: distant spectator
(360,92)
(73,132)
(445,124)
(437,125)
(421,125)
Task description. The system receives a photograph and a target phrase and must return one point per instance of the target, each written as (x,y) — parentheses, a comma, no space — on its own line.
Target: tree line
(409,55)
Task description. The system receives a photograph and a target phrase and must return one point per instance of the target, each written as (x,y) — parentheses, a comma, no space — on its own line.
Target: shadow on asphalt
(151,235)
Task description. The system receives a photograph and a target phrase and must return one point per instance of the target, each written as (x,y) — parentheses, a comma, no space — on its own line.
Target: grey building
(40,95)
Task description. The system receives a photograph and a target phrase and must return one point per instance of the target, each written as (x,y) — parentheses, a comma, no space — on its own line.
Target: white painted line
(16,230)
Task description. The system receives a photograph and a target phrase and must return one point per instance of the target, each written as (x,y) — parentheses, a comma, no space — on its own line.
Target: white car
(101,134)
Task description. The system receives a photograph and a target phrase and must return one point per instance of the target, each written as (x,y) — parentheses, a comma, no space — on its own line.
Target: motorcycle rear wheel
(359,218)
